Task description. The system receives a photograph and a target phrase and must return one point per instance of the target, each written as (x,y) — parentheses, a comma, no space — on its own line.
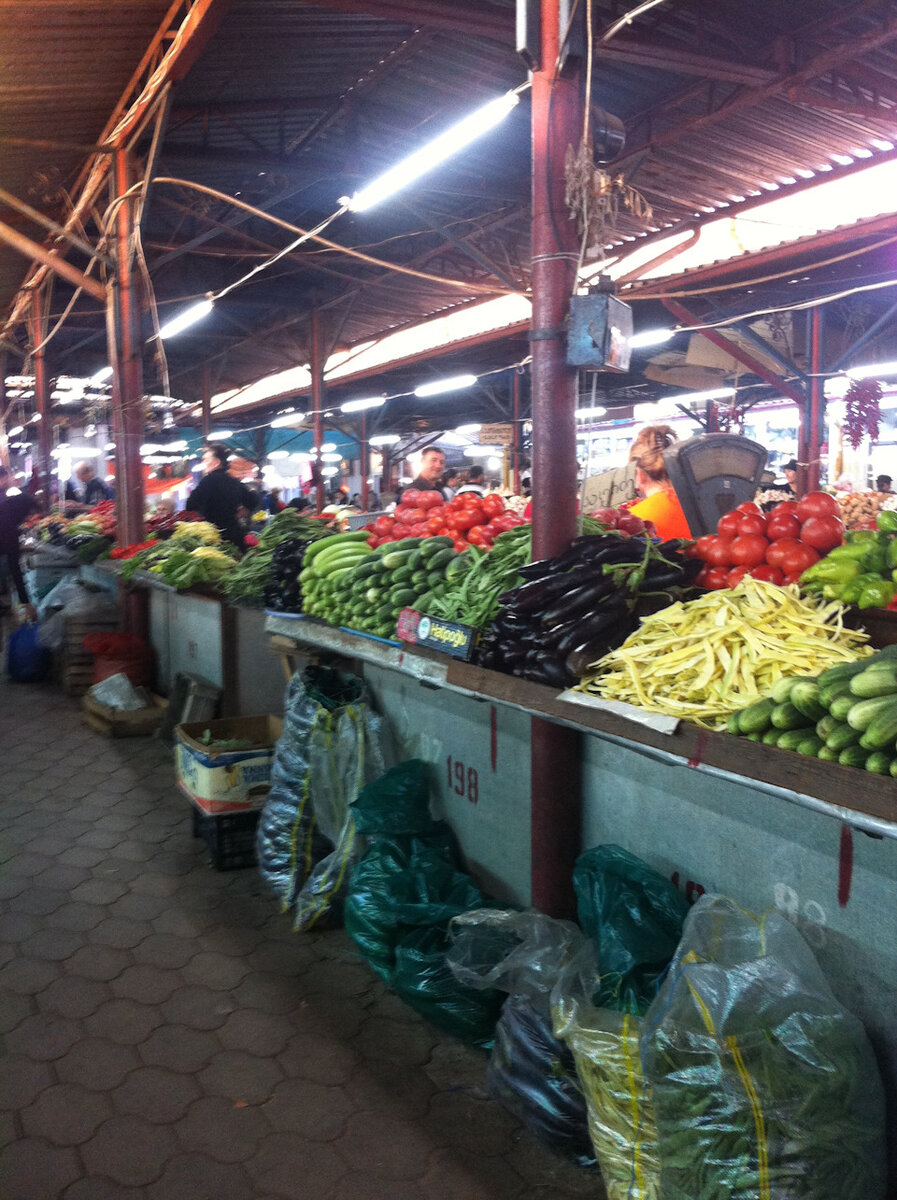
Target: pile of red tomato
(469,519)
(778,546)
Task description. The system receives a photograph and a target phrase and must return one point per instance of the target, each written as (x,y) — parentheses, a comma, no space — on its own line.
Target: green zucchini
(403,575)
(880,680)
(811,745)
(396,559)
(829,692)
(826,726)
(881,732)
(848,670)
(790,739)
(879,762)
(841,737)
(853,756)
(402,597)
(337,560)
(841,706)
(435,578)
(438,562)
(864,712)
(409,543)
(805,698)
(419,579)
(781,693)
(786,716)
(436,545)
(755,719)
(754,737)
(771,737)
(827,754)
(316,549)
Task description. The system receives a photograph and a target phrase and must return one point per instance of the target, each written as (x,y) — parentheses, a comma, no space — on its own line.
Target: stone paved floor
(167,1035)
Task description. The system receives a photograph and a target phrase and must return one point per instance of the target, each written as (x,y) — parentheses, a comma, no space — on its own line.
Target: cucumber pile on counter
(346,583)
(847,715)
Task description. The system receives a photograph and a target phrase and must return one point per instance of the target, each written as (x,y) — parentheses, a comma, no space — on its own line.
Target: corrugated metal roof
(63,67)
(291,106)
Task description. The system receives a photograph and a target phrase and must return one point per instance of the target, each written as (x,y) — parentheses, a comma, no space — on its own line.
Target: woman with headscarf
(659,502)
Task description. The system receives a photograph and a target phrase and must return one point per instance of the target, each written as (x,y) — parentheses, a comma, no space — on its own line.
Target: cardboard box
(226,781)
(138,722)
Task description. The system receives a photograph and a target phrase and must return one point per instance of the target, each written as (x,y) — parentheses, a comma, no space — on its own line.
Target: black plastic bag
(635,917)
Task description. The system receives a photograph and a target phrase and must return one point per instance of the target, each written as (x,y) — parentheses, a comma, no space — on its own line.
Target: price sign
(448,636)
(496,435)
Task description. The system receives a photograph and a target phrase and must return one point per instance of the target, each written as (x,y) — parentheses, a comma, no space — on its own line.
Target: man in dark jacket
(13,511)
(218,496)
(432,468)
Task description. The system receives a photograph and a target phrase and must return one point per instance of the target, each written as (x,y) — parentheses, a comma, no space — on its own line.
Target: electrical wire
(635,294)
(311,235)
(629,18)
(796,307)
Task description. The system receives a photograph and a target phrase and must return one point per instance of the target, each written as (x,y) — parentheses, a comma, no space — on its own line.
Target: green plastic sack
(397,802)
(424,980)
(764,1087)
(378,882)
(635,918)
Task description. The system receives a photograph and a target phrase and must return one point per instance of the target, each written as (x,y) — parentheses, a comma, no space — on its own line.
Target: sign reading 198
(462,780)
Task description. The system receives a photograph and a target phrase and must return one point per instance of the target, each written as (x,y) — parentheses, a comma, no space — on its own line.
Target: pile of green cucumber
(847,715)
(350,585)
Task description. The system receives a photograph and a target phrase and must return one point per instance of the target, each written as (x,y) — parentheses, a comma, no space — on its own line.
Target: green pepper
(853,589)
(878,594)
(856,548)
(887,521)
(892,553)
(831,570)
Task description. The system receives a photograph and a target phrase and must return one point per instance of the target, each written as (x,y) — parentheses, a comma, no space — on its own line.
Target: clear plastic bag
(530,1071)
(605,1048)
(305,837)
(764,1085)
(119,693)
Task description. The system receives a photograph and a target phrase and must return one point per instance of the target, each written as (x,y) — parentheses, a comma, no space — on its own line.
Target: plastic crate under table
(230,839)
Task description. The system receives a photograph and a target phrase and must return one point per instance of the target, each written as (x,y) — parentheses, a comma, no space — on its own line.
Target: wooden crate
(141,722)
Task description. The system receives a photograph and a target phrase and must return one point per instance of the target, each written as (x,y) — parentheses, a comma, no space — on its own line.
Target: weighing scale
(712,474)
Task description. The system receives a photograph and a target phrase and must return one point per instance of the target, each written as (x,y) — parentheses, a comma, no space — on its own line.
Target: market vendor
(475,482)
(432,468)
(14,510)
(883,483)
(789,470)
(659,503)
(86,491)
(218,497)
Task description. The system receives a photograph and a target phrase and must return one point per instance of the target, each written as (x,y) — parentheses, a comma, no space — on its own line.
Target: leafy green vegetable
(764,1087)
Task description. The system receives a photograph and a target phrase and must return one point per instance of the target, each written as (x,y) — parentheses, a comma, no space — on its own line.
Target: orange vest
(664,509)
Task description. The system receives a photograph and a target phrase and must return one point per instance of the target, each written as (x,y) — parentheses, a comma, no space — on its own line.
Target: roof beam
(51,260)
(459,18)
(176,45)
(718,338)
(671,57)
(820,64)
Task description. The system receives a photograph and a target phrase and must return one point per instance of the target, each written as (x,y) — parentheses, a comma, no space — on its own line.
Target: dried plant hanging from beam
(863,411)
(595,199)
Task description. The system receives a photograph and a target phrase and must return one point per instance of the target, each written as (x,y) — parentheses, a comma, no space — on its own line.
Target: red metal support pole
(317,398)
(817,402)
(126,359)
(557,115)
(38,328)
(365,463)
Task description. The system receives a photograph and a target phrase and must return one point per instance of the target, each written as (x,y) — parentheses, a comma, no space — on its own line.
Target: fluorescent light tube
(435,152)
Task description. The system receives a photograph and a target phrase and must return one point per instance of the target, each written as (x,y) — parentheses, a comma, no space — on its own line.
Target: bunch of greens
(291,524)
(477,577)
(763,1085)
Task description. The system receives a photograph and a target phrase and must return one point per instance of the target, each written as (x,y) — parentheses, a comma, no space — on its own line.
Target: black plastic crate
(230,839)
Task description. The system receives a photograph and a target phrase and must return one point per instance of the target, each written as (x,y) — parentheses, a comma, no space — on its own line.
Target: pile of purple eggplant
(572,609)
